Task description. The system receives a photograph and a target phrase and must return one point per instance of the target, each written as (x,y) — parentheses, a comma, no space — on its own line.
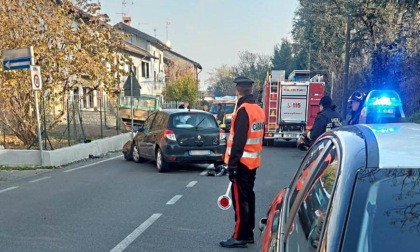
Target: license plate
(288,135)
(199,152)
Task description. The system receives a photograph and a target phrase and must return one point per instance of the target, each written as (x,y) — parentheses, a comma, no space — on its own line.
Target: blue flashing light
(387,98)
(382,106)
(383,101)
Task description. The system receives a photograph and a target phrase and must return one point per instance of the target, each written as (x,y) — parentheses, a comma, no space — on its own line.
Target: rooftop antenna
(124,4)
(154,30)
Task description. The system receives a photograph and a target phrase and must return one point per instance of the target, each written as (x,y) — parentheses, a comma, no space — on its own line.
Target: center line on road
(40,179)
(192,183)
(174,200)
(88,165)
(136,233)
(8,189)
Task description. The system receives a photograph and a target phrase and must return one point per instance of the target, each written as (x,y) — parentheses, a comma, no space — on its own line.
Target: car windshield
(227,108)
(193,120)
(385,211)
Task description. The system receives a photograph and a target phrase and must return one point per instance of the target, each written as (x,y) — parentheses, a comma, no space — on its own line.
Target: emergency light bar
(382,106)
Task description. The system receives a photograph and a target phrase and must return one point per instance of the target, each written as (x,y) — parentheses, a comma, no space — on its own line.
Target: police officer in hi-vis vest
(243,157)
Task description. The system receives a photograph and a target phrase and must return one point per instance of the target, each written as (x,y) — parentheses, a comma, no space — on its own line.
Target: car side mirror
(262,224)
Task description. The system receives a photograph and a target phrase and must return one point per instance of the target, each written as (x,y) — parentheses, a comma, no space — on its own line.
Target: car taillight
(169,134)
(222,137)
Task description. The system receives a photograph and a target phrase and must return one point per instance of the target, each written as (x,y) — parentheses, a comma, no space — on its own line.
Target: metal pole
(105,107)
(117,123)
(346,69)
(131,101)
(68,119)
(39,128)
(31,49)
(44,128)
(100,114)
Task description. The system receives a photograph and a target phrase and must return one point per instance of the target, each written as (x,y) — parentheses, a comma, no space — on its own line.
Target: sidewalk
(64,155)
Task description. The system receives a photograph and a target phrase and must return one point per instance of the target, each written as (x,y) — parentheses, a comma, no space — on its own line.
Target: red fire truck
(290,106)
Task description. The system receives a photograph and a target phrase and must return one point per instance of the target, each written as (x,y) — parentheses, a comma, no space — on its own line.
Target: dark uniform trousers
(243,199)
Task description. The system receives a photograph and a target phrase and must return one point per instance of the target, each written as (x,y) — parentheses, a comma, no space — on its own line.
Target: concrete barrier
(64,155)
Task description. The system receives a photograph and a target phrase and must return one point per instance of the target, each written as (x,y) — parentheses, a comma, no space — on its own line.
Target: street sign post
(36,78)
(20,58)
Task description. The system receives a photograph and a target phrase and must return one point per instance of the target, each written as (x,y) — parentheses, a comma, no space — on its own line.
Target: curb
(64,155)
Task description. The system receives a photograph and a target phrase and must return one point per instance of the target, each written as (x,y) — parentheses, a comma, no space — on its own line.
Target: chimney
(127,20)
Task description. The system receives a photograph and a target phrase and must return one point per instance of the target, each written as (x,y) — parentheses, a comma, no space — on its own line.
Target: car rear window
(385,211)
(193,120)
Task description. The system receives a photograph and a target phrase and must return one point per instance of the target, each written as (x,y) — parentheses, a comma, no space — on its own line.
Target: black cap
(325,101)
(243,81)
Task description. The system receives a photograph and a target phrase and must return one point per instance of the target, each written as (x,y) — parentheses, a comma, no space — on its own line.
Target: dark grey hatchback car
(179,136)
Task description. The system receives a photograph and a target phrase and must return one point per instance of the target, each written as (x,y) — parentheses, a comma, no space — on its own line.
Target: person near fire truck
(355,102)
(325,120)
(243,158)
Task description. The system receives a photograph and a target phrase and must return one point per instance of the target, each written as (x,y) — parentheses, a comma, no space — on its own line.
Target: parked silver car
(357,189)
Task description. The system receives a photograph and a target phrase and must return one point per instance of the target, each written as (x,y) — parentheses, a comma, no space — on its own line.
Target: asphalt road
(116,205)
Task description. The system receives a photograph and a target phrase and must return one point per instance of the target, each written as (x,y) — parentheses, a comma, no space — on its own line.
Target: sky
(210,32)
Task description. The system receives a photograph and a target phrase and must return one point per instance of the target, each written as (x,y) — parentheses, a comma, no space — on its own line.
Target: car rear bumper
(181,154)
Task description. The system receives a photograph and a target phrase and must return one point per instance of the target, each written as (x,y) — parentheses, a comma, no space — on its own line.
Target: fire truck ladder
(273,107)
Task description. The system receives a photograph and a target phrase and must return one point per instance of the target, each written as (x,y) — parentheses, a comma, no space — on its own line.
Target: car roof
(177,111)
(393,145)
(398,144)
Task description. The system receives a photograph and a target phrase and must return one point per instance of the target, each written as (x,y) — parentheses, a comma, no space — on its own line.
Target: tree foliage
(283,58)
(384,46)
(221,80)
(251,65)
(72,44)
(184,88)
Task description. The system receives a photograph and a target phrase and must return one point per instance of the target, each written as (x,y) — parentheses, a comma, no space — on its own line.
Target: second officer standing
(243,158)
(325,120)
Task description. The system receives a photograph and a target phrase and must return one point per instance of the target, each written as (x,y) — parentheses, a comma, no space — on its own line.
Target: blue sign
(13,64)
(17,58)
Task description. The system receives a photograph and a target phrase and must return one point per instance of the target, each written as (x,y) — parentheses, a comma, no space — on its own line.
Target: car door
(278,214)
(143,135)
(155,133)
(309,205)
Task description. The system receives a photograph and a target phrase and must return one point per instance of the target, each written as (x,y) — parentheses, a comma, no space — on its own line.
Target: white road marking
(204,172)
(88,165)
(40,179)
(192,183)
(136,233)
(8,189)
(174,200)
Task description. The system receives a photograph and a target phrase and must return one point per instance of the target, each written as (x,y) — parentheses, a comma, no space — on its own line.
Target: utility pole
(346,70)
(309,58)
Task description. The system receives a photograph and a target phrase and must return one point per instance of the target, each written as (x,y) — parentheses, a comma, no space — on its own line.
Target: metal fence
(79,125)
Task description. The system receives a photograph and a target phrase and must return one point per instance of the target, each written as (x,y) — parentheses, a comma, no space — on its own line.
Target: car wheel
(128,151)
(161,164)
(136,154)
